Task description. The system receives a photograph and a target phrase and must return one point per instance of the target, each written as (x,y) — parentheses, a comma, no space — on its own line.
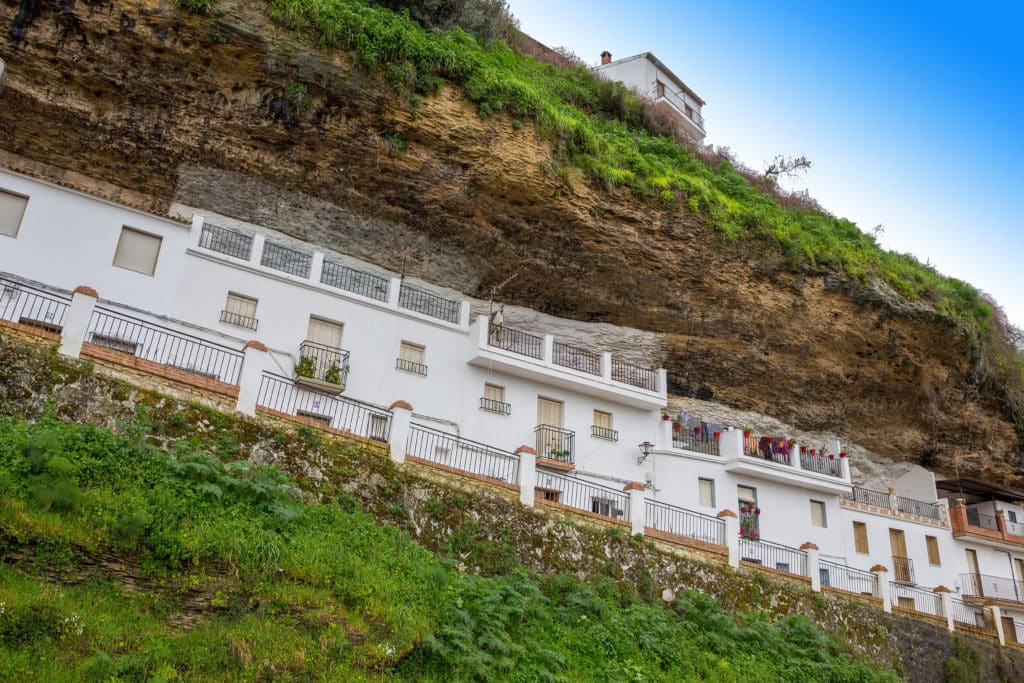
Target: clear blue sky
(912,113)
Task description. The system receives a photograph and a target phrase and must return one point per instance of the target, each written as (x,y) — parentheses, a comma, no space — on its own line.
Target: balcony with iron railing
(892,504)
(991,587)
(322,367)
(556,444)
(983,527)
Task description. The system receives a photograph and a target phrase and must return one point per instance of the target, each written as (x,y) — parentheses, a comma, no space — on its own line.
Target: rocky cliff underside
(140,101)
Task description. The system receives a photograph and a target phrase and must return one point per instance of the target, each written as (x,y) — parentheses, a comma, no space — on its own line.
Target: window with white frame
(240,310)
(12,209)
(137,250)
(706,491)
(818,514)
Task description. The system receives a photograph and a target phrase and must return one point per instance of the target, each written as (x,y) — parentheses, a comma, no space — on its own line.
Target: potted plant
(746,432)
(306,367)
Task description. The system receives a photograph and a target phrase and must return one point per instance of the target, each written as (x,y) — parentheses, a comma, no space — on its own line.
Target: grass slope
(126,562)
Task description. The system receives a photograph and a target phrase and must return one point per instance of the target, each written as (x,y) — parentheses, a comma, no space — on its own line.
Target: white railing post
(662,384)
(394,291)
(251,377)
(549,349)
(882,586)
(893,502)
(730,443)
(464,313)
(845,465)
(637,507)
(813,565)
(794,457)
(76,322)
(732,535)
(398,439)
(196,231)
(994,617)
(606,366)
(317,267)
(664,440)
(947,606)
(527,474)
(257,248)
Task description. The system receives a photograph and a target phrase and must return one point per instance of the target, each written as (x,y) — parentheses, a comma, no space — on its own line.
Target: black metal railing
(411,366)
(774,556)
(902,569)
(878,499)
(986,586)
(686,523)
(462,454)
(226,241)
(919,508)
(239,319)
(582,495)
(427,303)
(323,363)
(163,345)
(516,341)
(604,433)
(337,275)
(346,414)
(489,404)
(769,451)
(555,443)
(634,375)
(844,577)
(27,305)
(701,443)
(969,615)
(976,518)
(917,599)
(286,259)
(576,358)
(822,464)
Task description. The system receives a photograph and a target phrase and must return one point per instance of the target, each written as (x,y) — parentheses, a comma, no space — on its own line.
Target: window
(379,427)
(602,427)
(706,491)
(492,392)
(689,111)
(905,603)
(860,537)
(1011,516)
(410,358)
(552,495)
(137,251)
(933,550)
(494,399)
(659,88)
(324,332)
(240,310)
(12,208)
(322,420)
(818,514)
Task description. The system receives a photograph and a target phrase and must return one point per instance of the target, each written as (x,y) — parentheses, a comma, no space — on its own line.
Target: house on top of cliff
(649,76)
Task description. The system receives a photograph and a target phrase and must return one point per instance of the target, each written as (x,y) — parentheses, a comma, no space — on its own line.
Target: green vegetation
(185,565)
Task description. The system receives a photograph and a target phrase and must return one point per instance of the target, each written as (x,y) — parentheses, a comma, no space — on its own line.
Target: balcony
(903,569)
(240,320)
(556,445)
(892,505)
(492,406)
(541,358)
(991,587)
(992,530)
(322,368)
(604,433)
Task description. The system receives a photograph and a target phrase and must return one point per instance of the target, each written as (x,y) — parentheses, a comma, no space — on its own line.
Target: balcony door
(900,560)
(549,412)
(324,332)
(972,567)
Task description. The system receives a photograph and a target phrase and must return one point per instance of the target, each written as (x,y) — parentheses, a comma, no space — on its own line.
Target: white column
(196,231)
(317,267)
(994,615)
(730,443)
(893,503)
(250,378)
(401,418)
(947,606)
(464,313)
(664,440)
(394,290)
(813,565)
(76,322)
(637,507)
(527,474)
(663,382)
(732,535)
(844,463)
(257,248)
(606,366)
(549,349)
(794,456)
(882,586)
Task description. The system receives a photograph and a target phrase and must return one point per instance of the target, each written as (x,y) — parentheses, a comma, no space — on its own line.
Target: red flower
(842,454)
(696,430)
(677,427)
(746,432)
(757,511)
(743,532)
(831,456)
(718,435)
(803,449)
(814,451)
(666,418)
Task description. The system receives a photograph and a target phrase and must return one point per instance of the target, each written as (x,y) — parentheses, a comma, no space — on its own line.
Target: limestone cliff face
(138,99)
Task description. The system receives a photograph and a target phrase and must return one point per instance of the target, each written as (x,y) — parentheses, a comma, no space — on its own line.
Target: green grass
(233,573)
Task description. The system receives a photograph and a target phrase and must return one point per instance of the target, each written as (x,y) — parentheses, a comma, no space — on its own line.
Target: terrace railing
(327,364)
(986,586)
(984,521)
(427,303)
(555,443)
(576,358)
(412,366)
(686,523)
(226,241)
(919,508)
(970,615)
(878,499)
(846,578)
(462,454)
(902,569)
(774,556)
(346,414)
(583,495)
(163,345)
(822,464)
(701,443)
(337,275)
(286,259)
(917,599)
(493,406)
(604,433)
(233,318)
(28,305)
(1015,528)
(634,375)
(516,341)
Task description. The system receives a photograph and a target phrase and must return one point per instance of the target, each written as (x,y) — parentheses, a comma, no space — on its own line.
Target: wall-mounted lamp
(646,448)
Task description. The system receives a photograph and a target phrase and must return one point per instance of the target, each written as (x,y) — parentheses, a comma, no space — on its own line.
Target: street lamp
(646,448)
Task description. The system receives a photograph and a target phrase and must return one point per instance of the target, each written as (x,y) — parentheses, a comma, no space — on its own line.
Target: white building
(647,75)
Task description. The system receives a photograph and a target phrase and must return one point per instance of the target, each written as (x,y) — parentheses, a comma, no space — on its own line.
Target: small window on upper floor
(818,514)
(932,543)
(1011,516)
(860,537)
(410,358)
(240,310)
(137,250)
(12,209)
(689,111)
(706,491)
(659,89)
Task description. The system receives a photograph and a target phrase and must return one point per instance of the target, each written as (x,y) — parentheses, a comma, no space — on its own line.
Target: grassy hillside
(123,561)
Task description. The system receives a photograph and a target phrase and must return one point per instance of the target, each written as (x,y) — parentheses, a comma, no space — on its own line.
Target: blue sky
(911,112)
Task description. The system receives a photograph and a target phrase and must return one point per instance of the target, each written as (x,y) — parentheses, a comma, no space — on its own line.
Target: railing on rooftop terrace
(919,508)
(878,499)
(327,363)
(555,443)
(462,454)
(582,495)
(917,599)
(1015,528)
(970,615)
(844,577)
(576,358)
(27,305)
(832,465)
(346,414)
(286,259)
(987,586)
(634,375)
(774,556)
(226,241)
(976,518)
(427,303)
(686,523)
(160,344)
(516,341)
(701,443)
(372,286)
(774,449)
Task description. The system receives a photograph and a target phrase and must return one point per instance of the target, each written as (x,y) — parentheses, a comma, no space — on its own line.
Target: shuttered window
(137,251)
(240,305)
(324,332)
(602,419)
(12,208)
(706,490)
(411,353)
(492,392)
(860,537)
(818,513)
(933,550)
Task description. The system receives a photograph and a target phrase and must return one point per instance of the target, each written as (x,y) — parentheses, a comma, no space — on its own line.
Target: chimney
(606,57)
